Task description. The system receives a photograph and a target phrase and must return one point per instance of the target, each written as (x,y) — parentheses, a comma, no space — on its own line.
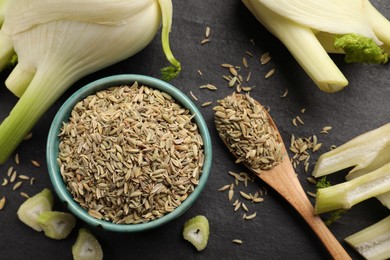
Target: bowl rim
(63,114)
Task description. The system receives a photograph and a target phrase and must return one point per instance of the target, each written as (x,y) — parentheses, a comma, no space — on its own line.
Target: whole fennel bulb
(57,42)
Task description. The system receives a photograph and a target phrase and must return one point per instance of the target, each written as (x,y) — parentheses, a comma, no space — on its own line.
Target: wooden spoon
(283,179)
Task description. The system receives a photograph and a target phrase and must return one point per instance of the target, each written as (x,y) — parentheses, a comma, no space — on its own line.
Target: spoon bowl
(283,179)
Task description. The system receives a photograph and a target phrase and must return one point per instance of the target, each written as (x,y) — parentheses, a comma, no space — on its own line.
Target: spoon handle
(284,180)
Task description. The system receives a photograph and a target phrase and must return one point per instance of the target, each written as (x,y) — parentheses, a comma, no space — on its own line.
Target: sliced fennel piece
(56,225)
(349,193)
(373,242)
(364,153)
(313,58)
(56,54)
(30,210)
(196,231)
(86,247)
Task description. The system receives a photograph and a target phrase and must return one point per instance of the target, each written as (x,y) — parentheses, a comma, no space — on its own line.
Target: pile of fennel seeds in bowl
(130,154)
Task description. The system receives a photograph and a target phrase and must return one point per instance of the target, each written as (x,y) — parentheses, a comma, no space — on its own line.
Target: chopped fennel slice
(349,193)
(372,242)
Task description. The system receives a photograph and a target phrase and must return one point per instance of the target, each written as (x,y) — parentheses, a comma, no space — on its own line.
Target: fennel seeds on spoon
(130,154)
(242,123)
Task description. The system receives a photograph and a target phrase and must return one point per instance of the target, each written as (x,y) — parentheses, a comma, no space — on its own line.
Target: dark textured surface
(277,232)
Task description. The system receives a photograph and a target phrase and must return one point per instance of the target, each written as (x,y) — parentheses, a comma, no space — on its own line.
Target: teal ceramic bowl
(53,149)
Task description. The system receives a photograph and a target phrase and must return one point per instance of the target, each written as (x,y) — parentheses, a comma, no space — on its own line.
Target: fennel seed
(237,206)
(245,62)
(13,176)
(252,216)
(10,171)
(205,104)
(225,187)
(204,41)
(250,54)
(230,194)
(193,96)
(24,195)
(237,241)
(17,185)
(35,163)
(285,93)
(207,32)
(208,86)
(17,159)
(265,58)
(269,73)
(2,202)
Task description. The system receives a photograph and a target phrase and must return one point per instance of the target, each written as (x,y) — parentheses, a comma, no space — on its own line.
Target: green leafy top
(360,49)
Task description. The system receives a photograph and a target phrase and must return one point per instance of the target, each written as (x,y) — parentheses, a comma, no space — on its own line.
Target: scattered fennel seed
(200,73)
(13,176)
(269,73)
(326,128)
(245,62)
(17,160)
(24,195)
(257,200)
(252,216)
(207,32)
(193,96)
(245,195)
(233,71)
(299,119)
(237,241)
(311,180)
(248,77)
(205,104)
(230,194)
(246,89)
(294,121)
(226,65)
(208,86)
(10,170)
(285,93)
(311,194)
(265,58)
(225,187)
(17,185)
(204,41)
(237,206)
(2,203)
(35,163)
(5,182)
(23,177)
